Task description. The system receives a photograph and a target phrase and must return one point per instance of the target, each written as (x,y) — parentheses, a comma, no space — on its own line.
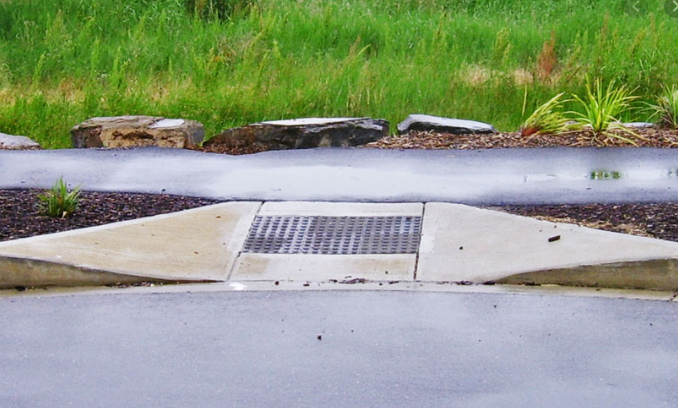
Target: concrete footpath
(495,176)
(341,242)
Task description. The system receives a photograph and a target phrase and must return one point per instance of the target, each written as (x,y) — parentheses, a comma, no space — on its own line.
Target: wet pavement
(338,348)
(499,176)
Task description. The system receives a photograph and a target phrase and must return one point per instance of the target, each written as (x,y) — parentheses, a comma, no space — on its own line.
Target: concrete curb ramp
(457,244)
(194,245)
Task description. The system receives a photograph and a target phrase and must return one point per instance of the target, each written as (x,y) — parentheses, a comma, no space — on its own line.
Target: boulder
(137,131)
(303,134)
(419,122)
(9,142)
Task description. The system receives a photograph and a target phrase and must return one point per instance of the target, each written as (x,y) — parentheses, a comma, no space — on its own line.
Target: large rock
(9,142)
(136,131)
(419,122)
(303,134)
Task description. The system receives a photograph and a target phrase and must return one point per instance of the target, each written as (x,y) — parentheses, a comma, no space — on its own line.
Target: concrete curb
(23,272)
(654,274)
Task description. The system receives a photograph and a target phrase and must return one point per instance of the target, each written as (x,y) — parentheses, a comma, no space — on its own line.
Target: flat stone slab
(418,122)
(461,243)
(194,245)
(640,125)
(303,133)
(10,142)
(137,131)
(324,267)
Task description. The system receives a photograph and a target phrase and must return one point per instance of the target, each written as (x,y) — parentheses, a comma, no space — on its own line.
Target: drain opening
(333,235)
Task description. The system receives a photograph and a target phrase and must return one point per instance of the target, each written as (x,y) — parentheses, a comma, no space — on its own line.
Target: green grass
(232,62)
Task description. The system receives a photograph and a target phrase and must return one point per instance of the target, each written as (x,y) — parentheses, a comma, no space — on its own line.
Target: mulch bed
(663,138)
(20,216)
(20,211)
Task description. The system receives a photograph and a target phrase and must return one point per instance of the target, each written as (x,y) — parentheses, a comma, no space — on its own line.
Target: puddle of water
(605,175)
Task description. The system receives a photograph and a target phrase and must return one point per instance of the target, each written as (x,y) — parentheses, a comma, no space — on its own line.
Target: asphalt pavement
(337,349)
(496,176)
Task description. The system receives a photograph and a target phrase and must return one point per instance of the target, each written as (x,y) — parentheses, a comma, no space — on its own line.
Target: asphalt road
(499,176)
(377,349)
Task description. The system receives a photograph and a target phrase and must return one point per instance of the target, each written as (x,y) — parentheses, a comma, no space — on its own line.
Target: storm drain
(333,235)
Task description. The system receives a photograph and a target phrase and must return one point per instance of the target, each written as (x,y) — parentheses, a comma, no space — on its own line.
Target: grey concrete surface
(462,243)
(200,244)
(385,349)
(458,243)
(559,175)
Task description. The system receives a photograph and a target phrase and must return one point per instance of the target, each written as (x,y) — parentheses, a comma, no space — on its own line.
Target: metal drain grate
(333,235)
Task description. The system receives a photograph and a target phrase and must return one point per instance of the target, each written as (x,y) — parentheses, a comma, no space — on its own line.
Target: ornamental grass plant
(666,108)
(546,119)
(58,201)
(602,109)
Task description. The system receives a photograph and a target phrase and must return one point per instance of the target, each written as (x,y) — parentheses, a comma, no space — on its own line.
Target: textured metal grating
(333,235)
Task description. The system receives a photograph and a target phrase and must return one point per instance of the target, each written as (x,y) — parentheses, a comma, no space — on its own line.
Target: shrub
(546,119)
(58,202)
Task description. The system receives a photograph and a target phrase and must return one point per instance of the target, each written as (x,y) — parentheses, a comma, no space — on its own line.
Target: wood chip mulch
(20,215)
(662,138)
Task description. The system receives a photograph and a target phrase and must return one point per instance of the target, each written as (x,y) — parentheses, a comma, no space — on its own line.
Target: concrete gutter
(459,244)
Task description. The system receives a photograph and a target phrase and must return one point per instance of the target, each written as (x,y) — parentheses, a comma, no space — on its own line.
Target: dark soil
(20,211)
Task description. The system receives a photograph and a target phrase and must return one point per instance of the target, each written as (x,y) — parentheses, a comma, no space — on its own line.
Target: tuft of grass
(546,119)
(58,201)
(666,108)
(603,108)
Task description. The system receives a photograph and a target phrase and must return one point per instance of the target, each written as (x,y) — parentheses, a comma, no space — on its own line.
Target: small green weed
(602,109)
(546,119)
(58,202)
(667,107)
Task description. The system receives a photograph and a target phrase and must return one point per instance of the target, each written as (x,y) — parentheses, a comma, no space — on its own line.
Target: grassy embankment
(62,61)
